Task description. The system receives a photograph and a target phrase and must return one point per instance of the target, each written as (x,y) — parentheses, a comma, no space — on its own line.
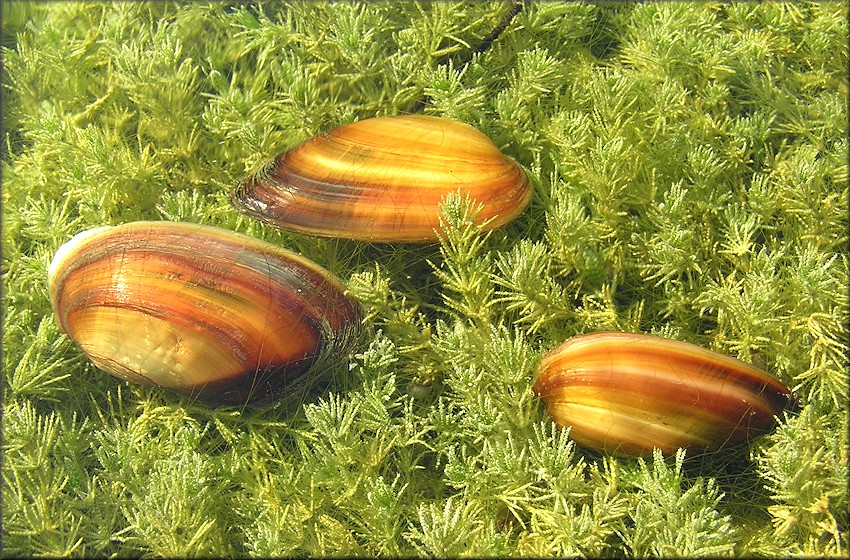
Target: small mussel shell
(629,393)
(382,180)
(207,313)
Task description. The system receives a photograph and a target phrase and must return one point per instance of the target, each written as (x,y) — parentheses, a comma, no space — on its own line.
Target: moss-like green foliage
(689,166)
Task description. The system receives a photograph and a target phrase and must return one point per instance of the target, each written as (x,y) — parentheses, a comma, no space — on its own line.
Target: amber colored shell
(629,393)
(205,312)
(382,180)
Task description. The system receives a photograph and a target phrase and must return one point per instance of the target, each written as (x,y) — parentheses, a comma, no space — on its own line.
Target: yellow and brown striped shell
(382,180)
(629,393)
(204,312)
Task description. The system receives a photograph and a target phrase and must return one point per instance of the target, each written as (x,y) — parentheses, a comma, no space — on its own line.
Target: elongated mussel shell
(204,312)
(382,180)
(629,393)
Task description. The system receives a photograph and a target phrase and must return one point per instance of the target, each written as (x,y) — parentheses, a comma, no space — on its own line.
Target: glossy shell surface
(382,180)
(204,312)
(629,393)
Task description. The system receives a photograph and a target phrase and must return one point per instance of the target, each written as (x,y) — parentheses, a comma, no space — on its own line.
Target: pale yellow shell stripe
(201,311)
(375,155)
(506,195)
(209,247)
(398,132)
(383,180)
(185,337)
(662,384)
(676,361)
(229,303)
(652,420)
(209,268)
(620,429)
(659,393)
(419,170)
(372,212)
(630,393)
(58,268)
(177,230)
(399,151)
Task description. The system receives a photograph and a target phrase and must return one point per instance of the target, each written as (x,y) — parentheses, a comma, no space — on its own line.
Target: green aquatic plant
(689,166)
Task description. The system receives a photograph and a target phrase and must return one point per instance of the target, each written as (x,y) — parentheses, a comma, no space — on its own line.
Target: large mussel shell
(204,312)
(629,393)
(382,180)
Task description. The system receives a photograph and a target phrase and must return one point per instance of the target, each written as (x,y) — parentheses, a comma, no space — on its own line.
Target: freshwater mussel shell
(205,312)
(382,180)
(626,394)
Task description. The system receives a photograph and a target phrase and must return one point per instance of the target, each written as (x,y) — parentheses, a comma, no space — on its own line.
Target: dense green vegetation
(689,164)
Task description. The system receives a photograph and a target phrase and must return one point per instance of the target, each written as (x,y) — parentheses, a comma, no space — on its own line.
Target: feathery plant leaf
(464,270)
(811,495)
(673,521)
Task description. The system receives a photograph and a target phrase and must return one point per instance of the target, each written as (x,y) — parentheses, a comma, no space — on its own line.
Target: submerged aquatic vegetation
(689,171)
